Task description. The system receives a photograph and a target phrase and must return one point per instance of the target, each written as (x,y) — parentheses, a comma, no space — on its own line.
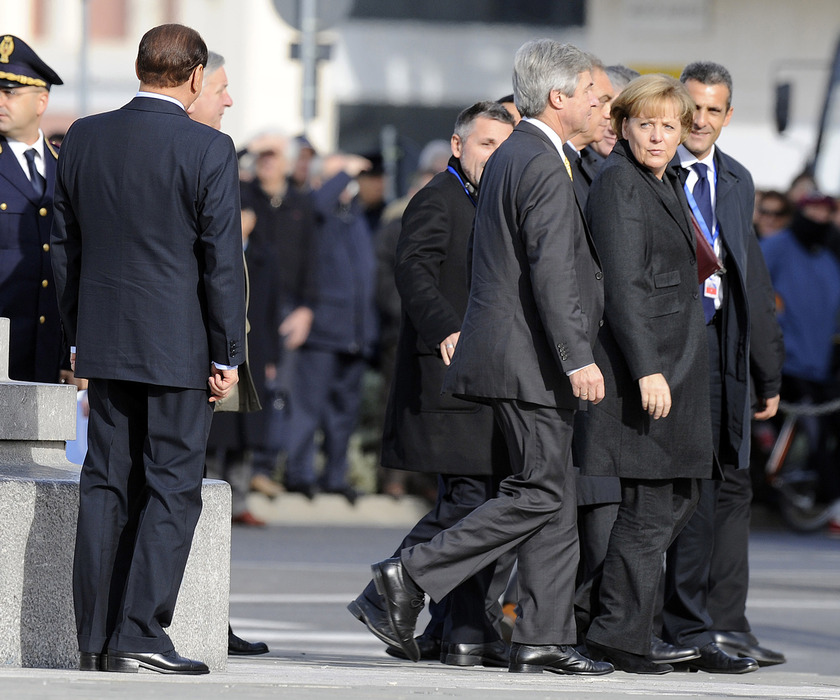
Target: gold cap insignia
(7,48)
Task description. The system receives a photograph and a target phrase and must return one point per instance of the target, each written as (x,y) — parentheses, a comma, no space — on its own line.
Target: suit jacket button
(3,206)
(45,283)
(43,211)
(600,323)
(599,275)
(46,247)
(42,319)
(696,295)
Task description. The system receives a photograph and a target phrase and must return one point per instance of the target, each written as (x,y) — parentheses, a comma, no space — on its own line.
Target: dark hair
(168,55)
(490,110)
(708,73)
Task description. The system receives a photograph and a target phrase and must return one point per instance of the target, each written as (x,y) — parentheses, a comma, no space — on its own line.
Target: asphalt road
(290,586)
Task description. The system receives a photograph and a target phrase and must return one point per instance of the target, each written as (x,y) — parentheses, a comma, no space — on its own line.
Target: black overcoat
(425,430)
(653,323)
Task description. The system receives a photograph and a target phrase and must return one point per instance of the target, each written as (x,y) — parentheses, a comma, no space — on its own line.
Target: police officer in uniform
(27,181)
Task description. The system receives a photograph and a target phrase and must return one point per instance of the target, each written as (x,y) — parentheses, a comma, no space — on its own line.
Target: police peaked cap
(20,65)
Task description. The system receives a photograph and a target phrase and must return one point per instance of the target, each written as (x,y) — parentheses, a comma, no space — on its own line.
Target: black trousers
(467,615)
(715,540)
(139,502)
(534,513)
(651,514)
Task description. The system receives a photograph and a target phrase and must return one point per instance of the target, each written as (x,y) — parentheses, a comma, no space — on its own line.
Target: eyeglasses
(775,213)
(12,92)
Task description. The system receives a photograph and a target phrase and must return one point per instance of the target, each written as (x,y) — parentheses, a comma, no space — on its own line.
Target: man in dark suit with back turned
(147,251)
(707,574)
(27,181)
(525,347)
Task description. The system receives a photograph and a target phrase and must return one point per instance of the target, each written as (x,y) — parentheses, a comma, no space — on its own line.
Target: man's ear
(197,79)
(456,145)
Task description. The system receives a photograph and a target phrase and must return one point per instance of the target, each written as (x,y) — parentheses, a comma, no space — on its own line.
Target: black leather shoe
(376,620)
(495,654)
(663,653)
(744,644)
(626,661)
(404,600)
(239,647)
(91,661)
(170,662)
(714,660)
(525,658)
(428,645)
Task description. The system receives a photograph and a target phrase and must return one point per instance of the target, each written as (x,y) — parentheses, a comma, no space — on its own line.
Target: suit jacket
(751,340)
(653,323)
(536,294)
(425,430)
(147,246)
(27,287)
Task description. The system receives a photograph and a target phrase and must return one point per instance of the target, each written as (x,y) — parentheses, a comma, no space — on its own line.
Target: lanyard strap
(463,184)
(711,236)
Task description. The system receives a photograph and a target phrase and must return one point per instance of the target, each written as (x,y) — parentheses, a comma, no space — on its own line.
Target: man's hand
(221,382)
(656,395)
(447,347)
(770,407)
(295,327)
(588,384)
(72,361)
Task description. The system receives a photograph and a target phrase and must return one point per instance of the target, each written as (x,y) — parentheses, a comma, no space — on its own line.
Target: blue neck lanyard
(463,184)
(711,236)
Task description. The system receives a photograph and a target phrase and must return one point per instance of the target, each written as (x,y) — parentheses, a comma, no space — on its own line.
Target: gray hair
(465,122)
(214,62)
(708,73)
(620,75)
(544,65)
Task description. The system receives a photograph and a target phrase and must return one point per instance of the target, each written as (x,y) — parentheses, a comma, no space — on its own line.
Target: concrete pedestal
(38,510)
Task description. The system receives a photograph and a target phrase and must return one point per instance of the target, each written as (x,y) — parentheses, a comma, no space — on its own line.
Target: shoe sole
(743,654)
(472,660)
(660,670)
(122,665)
(693,668)
(538,668)
(231,652)
(357,612)
(680,660)
(412,651)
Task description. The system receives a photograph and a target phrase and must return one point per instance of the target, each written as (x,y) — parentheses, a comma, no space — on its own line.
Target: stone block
(38,511)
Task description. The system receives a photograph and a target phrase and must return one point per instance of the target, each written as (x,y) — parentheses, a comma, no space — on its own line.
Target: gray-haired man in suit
(525,347)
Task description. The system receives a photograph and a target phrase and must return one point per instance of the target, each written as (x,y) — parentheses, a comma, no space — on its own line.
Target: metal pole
(308,57)
(83,60)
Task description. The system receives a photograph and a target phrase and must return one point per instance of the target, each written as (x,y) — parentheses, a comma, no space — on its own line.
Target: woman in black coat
(653,429)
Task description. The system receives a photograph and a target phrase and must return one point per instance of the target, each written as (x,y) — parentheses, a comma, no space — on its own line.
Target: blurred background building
(393,74)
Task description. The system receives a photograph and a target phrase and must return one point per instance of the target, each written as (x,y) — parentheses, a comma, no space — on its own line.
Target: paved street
(290,586)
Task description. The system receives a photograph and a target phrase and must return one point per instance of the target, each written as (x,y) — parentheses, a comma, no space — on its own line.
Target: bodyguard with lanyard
(700,189)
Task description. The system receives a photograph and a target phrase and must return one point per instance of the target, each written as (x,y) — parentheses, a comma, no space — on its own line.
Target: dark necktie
(703,197)
(703,194)
(35,177)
